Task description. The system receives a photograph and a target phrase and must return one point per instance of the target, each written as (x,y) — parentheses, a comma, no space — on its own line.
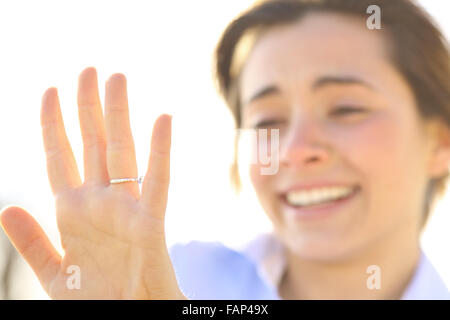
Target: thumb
(32,243)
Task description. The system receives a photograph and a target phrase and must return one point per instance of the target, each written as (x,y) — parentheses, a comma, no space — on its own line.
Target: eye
(347,110)
(267,123)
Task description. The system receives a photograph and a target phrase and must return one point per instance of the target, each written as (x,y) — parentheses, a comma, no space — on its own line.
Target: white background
(165,50)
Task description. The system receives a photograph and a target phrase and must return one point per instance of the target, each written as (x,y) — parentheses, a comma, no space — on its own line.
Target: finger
(156,181)
(121,157)
(92,127)
(61,165)
(32,243)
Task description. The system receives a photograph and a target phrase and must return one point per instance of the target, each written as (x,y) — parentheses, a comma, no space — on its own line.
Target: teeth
(319,195)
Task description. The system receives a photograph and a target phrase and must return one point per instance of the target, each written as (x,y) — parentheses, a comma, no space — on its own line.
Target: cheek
(381,152)
(264,187)
(377,147)
(260,182)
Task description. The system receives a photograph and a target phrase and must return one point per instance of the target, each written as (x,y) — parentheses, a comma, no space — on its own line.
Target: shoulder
(211,270)
(426,283)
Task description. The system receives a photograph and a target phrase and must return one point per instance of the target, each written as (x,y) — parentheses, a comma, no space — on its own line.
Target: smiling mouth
(307,210)
(319,197)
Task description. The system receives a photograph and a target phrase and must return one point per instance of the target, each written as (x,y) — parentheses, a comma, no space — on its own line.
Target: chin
(320,248)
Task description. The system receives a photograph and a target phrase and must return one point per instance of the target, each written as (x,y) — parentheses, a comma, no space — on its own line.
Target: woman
(364,150)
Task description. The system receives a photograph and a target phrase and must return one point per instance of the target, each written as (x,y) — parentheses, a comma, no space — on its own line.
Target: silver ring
(138,180)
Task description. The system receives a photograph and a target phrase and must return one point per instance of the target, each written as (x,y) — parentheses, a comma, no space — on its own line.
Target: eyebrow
(266,91)
(320,83)
(335,80)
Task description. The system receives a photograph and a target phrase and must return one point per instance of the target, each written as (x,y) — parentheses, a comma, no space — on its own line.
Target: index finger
(61,165)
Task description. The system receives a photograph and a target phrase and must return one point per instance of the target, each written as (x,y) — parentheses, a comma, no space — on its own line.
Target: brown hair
(419,51)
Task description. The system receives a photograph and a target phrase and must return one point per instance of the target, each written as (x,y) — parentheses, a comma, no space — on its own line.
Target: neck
(397,256)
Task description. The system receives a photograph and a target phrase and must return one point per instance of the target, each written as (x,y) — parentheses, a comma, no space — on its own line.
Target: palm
(107,248)
(112,233)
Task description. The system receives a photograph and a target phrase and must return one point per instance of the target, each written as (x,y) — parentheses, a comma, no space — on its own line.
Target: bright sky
(165,49)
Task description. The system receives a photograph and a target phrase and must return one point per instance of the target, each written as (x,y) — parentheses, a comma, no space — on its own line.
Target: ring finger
(121,156)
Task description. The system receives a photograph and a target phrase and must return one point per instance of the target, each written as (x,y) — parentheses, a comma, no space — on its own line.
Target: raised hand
(112,233)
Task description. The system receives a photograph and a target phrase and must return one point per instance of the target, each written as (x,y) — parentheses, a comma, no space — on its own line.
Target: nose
(304,146)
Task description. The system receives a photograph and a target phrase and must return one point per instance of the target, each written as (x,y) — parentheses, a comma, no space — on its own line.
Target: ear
(439,164)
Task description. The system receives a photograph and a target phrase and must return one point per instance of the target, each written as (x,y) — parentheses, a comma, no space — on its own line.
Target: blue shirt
(210,271)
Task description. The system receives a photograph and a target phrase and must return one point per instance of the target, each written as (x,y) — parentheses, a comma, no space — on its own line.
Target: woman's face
(347,122)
